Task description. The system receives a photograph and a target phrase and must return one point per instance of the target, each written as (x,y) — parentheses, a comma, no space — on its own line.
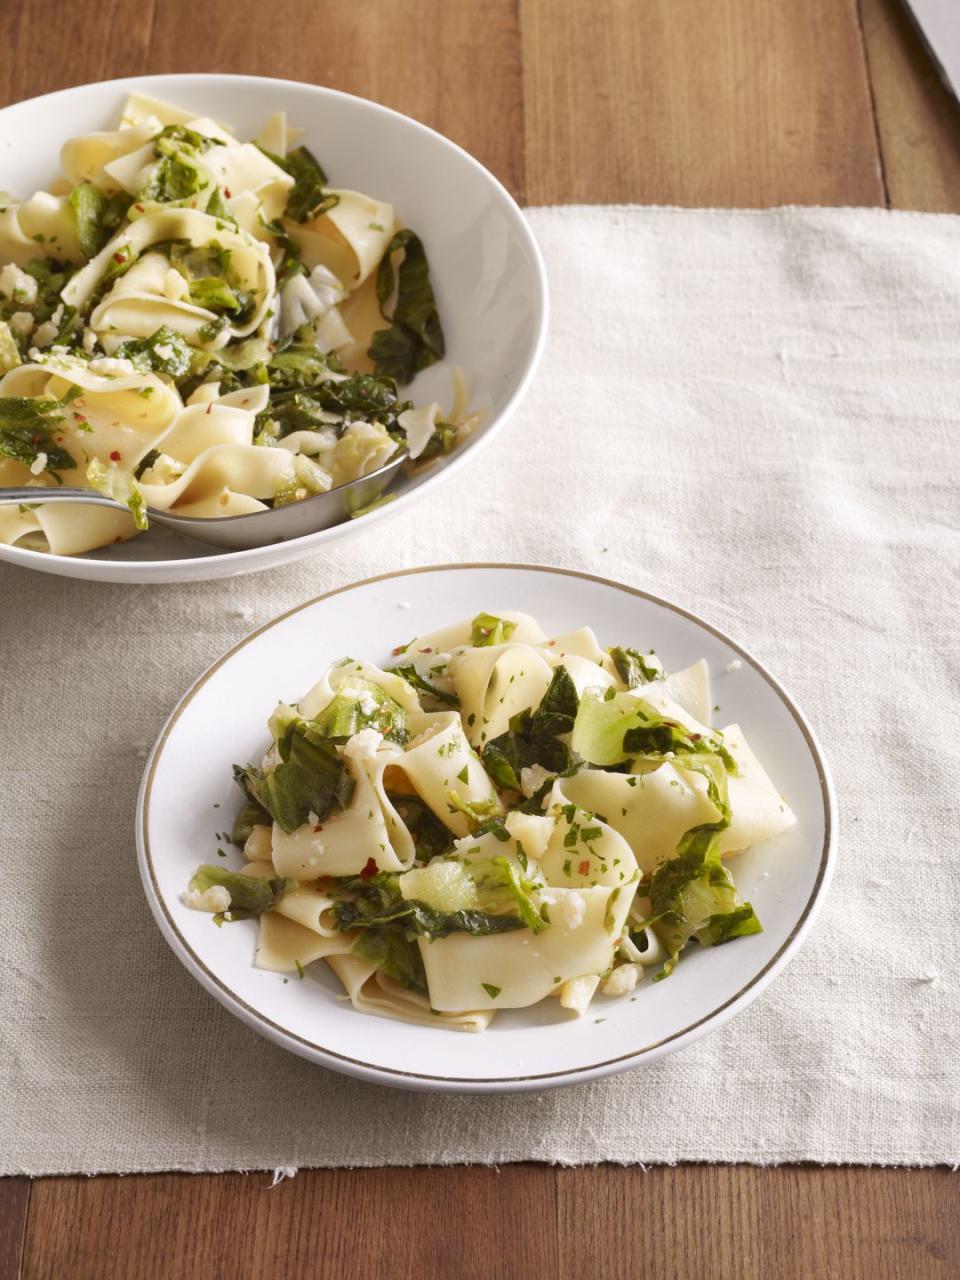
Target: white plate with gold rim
(187,796)
(485,267)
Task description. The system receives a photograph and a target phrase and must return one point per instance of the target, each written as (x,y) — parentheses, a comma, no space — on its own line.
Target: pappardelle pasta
(497,818)
(194,323)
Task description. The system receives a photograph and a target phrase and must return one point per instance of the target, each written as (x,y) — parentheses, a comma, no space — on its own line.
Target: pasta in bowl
(199,325)
(495,819)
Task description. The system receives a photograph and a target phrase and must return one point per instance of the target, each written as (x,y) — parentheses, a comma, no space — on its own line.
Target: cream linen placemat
(755,414)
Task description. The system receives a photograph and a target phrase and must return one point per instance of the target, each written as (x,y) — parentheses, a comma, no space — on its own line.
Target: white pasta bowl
(485,267)
(187,796)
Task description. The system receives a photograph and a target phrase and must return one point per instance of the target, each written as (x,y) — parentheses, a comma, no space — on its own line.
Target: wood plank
(472,1223)
(14,1201)
(747,1223)
(917,119)
(737,102)
(47,45)
(452,64)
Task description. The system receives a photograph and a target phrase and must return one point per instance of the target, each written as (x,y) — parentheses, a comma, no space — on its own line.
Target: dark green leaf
(633,668)
(249,895)
(415,338)
(173,359)
(413,677)
(396,955)
(310,778)
(27,424)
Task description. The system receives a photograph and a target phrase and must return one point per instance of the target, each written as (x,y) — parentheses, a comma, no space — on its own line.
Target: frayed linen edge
(281,1173)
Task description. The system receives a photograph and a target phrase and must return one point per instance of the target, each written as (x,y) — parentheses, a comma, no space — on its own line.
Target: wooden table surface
(730,102)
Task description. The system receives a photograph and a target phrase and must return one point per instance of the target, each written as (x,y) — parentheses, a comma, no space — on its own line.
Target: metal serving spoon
(239,533)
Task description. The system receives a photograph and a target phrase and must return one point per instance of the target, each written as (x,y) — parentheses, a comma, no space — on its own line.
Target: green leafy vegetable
(364,705)
(119,485)
(361,396)
(609,731)
(307,198)
(249,895)
(216,295)
(27,424)
(491,990)
(218,208)
(415,338)
(97,215)
(165,351)
(534,737)
(309,778)
(252,814)
(413,677)
(487,629)
(633,668)
(179,172)
(396,954)
(378,903)
(430,836)
(693,894)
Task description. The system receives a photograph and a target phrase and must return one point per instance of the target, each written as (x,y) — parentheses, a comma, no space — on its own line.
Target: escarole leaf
(119,485)
(249,895)
(361,704)
(377,904)
(309,778)
(415,338)
(396,955)
(534,736)
(487,629)
(609,730)
(413,677)
(179,171)
(252,814)
(693,894)
(633,668)
(307,198)
(165,351)
(27,424)
(97,215)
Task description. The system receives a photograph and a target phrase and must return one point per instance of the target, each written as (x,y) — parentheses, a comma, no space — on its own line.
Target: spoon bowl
(240,533)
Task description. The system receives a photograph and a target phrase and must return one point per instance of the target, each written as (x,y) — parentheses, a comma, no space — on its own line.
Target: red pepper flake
(210,408)
(584,867)
(115,455)
(369,871)
(227,192)
(695,737)
(80,417)
(318,827)
(139,208)
(37,438)
(119,257)
(118,538)
(401,648)
(551,643)
(427,650)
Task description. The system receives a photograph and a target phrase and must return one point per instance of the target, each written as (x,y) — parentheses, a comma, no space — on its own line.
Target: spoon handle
(32,494)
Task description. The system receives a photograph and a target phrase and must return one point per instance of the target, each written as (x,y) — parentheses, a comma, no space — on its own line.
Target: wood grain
(407,1224)
(737,102)
(753,1224)
(917,119)
(14,1202)
(739,1223)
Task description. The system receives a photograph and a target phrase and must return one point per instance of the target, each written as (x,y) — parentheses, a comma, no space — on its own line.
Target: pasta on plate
(202,325)
(496,818)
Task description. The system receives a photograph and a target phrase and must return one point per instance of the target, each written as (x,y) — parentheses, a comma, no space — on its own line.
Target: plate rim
(356,1067)
(235,563)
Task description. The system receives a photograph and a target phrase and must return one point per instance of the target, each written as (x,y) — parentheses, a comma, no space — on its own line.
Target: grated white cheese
(39,464)
(735,665)
(22,322)
(363,745)
(45,334)
(17,285)
(111,366)
(214,899)
(533,778)
(623,980)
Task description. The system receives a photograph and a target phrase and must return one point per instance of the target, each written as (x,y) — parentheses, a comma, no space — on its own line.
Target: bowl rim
(346,1064)
(242,561)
